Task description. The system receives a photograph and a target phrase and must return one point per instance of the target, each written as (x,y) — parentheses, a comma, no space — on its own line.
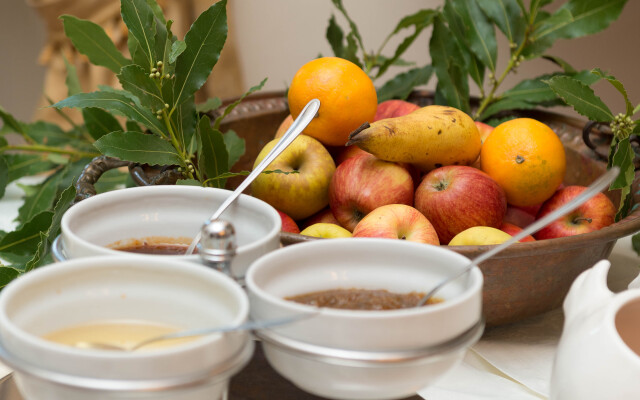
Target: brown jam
(160,249)
(361,299)
(158,245)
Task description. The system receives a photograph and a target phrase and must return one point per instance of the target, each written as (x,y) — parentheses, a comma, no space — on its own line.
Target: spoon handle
(251,325)
(306,116)
(596,187)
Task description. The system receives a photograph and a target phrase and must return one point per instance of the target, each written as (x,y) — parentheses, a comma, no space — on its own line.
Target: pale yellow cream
(119,333)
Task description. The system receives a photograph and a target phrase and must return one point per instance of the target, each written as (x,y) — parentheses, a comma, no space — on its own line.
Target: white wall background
(276,37)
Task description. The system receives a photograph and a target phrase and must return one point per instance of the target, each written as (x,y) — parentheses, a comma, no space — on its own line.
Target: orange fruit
(526,158)
(346,93)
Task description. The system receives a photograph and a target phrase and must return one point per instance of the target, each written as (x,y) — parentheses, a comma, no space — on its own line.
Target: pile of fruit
(425,174)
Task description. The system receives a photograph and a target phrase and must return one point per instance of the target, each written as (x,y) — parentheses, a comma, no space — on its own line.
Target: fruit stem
(355,132)
(580,219)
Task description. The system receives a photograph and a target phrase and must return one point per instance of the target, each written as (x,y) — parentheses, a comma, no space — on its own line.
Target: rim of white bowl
(98,262)
(475,287)
(157,190)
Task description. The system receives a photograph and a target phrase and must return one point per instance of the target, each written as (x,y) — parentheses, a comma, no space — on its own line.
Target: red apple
(323,216)
(397,221)
(363,183)
(284,125)
(348,152)
(394,108)
(455,198)
(518,216)
(513,230)
(484,130)
(288,224)
(594,214)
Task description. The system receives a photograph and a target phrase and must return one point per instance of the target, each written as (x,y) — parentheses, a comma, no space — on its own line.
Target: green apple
(325,230)
(300,194)
(479,235)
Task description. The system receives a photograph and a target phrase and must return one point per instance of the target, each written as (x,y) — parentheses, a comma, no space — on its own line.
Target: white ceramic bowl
(349,354)
(173,211)
(91,289)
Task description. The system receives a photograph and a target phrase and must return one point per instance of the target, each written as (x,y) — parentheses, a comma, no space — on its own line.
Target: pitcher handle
(588,292)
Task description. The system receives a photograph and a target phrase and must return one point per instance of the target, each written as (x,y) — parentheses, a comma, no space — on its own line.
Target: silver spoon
(306,116)
(251,325)
(593,189)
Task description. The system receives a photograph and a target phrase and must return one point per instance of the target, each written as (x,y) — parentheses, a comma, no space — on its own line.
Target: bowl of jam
(162,221)
(369,338)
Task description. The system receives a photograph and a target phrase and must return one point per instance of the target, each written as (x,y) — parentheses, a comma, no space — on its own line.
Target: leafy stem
(514,61)
(49,149)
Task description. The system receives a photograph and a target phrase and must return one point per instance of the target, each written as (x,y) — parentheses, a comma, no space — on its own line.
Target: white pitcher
(598,356)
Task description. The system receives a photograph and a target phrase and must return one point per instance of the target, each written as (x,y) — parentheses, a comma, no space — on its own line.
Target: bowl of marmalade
(368,338)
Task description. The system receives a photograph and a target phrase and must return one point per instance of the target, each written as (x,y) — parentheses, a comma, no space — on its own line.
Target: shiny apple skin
(394,108)
(363,183)
(397,221)
(288,224)
(597,213)
(455,198)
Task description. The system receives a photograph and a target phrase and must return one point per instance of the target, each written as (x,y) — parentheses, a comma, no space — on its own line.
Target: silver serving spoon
(251,325)
(598,185)
(306,116)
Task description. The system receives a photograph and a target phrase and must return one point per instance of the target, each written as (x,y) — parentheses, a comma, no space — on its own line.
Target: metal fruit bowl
(526,279)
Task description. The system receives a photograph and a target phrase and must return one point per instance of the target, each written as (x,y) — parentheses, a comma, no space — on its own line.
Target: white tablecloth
(511,362)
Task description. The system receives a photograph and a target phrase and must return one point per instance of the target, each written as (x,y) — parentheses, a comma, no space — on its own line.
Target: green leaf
(506,104)
(566,67)
(474,30)
(507,16)
(402,84)
(99,122)
(48,134)
(131,126)
(11,122)
(419,20)
(335,36)
(623,158)
(111,180)
(177,48)
(73,82)
(581,98)
(4,174)
(445,56)
(635,110)
(213,159)
(41,250)
(24,241)
(185,119)
(140,148)
(589,17)
(7,274)
(92,41)
(350,52)
(204,42)
(537,91)
(235,146)
(354,34)
(188,182)
(134,79)
(137,55)
(538,42)
(25,165)
(117,103)
(211,104)
(157,11)
(38,198)
(233,105)
(62,205)
(139,18)
(164,39)
(618,85)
